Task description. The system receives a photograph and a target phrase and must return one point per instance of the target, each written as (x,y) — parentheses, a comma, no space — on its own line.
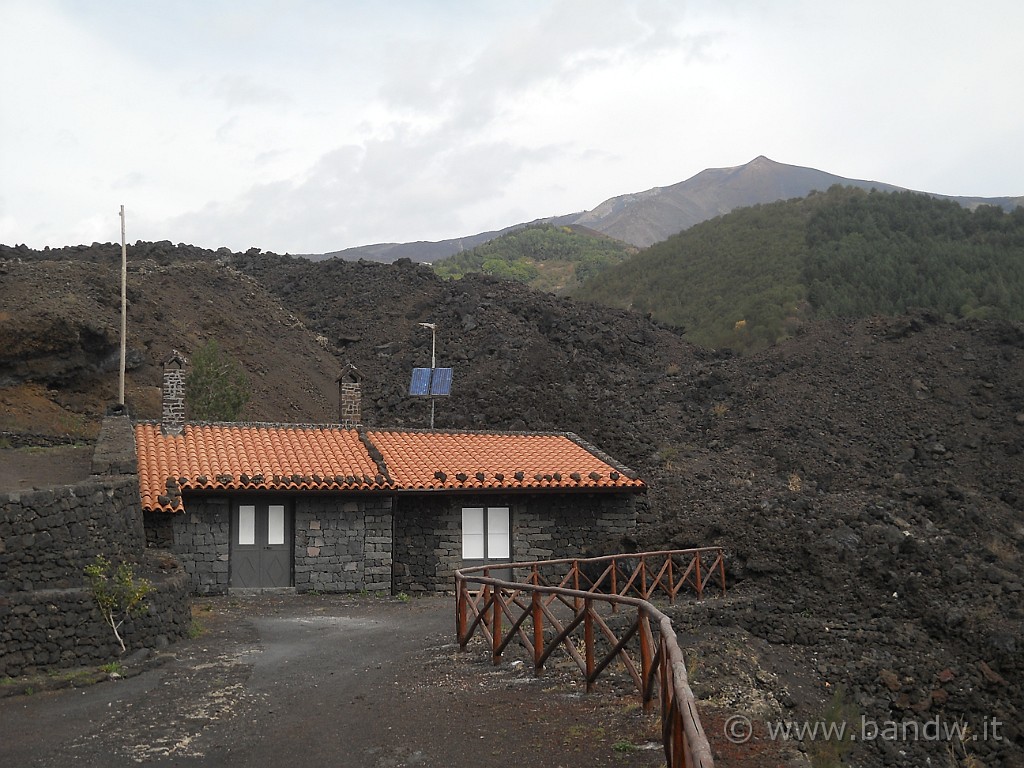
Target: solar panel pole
(433,365)
(124,311)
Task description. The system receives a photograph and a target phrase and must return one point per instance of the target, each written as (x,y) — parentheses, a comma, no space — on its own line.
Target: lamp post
(433,363)
(124,311)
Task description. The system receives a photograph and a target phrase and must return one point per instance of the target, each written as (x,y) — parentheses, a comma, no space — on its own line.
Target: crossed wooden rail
(485,601)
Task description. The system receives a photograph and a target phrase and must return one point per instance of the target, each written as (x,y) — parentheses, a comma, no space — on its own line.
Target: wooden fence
(546,604)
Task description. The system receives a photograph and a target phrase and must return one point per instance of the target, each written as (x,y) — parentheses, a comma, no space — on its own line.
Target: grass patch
(196,629)
(54,679)
(830,753)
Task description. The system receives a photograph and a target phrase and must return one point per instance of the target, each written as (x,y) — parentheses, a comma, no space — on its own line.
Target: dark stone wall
(159,529)
(202,538)
(351,543)
(48,616)
(428,531)
(114,453)
(47,537)
(341,543)
(428,542)
(561,525)
(49,628)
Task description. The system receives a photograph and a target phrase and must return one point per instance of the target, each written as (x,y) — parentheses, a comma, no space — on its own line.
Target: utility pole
(124,310)
(433,364)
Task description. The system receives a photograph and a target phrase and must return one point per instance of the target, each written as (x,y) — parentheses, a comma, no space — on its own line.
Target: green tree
(544,256)
(217,387)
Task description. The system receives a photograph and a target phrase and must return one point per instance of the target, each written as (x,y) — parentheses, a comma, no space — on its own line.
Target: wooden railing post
(667,704)
(671,579)
(485,596)
(700,583)
(646,660)
(537,615)
(588,641)
(496,628)
(460,613)
(576,582)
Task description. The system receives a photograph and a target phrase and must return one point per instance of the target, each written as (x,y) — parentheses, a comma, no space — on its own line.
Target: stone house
(342,508)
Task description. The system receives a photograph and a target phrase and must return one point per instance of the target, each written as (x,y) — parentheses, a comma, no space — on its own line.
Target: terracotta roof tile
(472,460)
(267,457)
(320,457)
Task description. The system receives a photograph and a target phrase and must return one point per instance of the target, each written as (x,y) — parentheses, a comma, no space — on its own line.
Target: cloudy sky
(305,126)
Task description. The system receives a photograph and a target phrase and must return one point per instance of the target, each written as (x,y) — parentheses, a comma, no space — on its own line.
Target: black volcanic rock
(815,463)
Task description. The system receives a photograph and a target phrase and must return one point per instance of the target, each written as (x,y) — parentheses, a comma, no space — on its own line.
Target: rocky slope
(865,478)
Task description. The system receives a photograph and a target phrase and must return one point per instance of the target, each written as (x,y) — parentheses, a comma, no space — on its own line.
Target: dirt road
(330,681)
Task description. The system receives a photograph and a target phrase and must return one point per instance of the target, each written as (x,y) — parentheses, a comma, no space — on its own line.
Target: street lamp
(433,363)
(433,342)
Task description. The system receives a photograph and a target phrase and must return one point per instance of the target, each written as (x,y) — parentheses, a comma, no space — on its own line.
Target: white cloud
(308,126)
(241,90)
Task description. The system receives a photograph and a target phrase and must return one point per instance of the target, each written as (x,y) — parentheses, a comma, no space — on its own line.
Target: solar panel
(441,382)
(431,382)
(420,384)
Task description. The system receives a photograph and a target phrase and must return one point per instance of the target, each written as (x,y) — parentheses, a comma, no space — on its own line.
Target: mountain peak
(644,218)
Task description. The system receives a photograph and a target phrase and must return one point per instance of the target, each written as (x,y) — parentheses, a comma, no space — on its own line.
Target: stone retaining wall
(47,537)
(49,628)
(48,617)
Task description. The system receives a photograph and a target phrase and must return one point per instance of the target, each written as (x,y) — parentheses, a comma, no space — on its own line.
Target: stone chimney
(172,421)
(350,398)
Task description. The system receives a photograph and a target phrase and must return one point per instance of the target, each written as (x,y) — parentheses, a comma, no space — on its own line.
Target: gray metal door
(261,545)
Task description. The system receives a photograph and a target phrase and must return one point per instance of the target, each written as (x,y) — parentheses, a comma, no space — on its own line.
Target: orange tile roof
(258,457)
(474,460)
(321,457)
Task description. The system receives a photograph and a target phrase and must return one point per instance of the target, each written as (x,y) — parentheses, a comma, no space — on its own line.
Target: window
(486,533)
(275,524)
(247,524)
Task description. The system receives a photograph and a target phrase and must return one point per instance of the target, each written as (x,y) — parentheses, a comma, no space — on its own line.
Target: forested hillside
(750,278)
(547,257)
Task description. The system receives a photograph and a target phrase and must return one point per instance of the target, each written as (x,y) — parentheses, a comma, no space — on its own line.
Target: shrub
(217,387)
(118,593)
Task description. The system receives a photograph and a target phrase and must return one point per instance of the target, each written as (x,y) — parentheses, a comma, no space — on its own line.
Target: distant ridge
(427,251)
(645,218)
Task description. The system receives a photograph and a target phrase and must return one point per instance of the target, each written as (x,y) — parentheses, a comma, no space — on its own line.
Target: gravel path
(333,681)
